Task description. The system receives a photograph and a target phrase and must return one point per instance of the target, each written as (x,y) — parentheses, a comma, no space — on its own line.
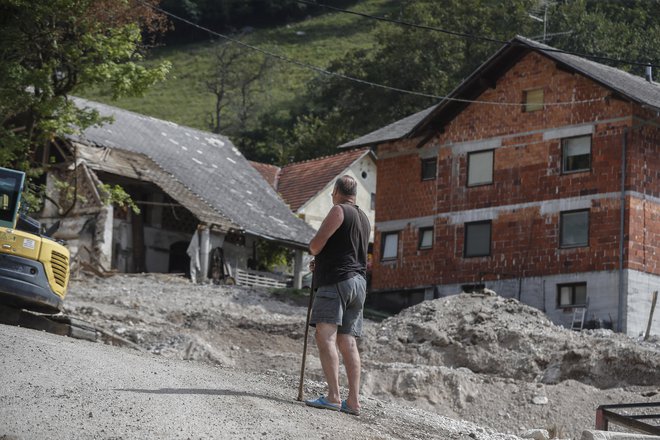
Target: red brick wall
(643,177)
(526,169)
(403,193)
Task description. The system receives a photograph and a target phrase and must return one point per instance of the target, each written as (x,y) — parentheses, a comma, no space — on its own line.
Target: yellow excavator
(34,269)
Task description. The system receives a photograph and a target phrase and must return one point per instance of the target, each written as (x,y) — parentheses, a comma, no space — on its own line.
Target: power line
(475,37)
(350,78)
(405,23)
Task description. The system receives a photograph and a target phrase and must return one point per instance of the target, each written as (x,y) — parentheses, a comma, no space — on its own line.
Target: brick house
(523,191)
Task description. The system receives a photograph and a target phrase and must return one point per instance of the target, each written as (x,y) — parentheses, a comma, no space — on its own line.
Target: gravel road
(223,362)
(57,387)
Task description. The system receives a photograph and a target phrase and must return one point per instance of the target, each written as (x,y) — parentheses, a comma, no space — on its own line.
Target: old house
(197,197)
(306,186)
(537,177)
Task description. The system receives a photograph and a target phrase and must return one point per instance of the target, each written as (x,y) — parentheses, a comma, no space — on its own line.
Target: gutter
(294,244)
(622,294)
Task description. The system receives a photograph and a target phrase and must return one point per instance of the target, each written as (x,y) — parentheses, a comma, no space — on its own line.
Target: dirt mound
(505,338)
(489,360)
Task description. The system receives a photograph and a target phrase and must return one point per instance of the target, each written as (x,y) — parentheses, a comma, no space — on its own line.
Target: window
(574,228)
(576,154)
(480,168)
(389,245)
(373,201)
(10,188)
(429,168)
(533,100)
(477,239)
(425,238)
(570,295)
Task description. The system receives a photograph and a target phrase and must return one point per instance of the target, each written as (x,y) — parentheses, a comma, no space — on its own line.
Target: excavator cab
(34,269)
(11,185)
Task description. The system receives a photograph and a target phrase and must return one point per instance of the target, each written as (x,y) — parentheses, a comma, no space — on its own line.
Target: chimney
(649,73)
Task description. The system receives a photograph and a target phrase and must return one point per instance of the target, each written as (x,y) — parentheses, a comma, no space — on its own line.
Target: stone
(536,434)
(540,400)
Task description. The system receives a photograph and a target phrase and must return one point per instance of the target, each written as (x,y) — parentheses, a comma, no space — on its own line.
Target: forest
(284,79)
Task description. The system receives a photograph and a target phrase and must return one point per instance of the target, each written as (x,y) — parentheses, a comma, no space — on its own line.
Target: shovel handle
(304,356)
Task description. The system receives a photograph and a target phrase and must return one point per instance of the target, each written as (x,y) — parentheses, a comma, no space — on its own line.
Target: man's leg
(326,341)
(349,351)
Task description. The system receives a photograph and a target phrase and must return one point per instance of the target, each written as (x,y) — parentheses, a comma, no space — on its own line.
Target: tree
(625,29)
(235,82)
(434,63)
(51,47)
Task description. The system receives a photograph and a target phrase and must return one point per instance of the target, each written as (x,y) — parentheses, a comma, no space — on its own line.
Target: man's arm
(330,224)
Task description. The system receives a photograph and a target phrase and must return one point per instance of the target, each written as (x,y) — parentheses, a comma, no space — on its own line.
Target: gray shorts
(341,304)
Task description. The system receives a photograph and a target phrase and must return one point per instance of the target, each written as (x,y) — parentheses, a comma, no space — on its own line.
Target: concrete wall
(541,292)
(237,255)
(639,287)
(87,228)
(156,241)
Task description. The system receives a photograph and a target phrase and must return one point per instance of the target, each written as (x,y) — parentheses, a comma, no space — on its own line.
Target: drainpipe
(622,219)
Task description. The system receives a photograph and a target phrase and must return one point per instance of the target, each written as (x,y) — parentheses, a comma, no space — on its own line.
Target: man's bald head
(346,186)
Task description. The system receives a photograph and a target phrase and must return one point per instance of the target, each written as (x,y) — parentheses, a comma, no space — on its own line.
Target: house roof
(624,84)
(300,181)
(395,130)
(270,173)
(140,167)
(207,165)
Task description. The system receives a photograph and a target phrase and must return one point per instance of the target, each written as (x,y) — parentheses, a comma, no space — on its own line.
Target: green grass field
(182,98)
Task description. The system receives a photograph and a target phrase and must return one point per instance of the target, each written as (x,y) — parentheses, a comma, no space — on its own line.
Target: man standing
(340,250)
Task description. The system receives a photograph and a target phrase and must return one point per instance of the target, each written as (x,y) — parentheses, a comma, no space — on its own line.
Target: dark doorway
(179,259)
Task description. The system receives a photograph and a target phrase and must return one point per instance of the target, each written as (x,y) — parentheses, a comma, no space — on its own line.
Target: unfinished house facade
(539,178)
(202,208)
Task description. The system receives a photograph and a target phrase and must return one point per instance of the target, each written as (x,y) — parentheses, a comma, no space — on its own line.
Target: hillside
(317,41)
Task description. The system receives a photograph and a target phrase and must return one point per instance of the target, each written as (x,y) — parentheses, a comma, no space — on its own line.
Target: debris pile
(485,359)
(502,337)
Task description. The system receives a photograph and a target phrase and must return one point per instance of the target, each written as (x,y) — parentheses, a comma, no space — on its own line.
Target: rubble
(482,358)
(502,337)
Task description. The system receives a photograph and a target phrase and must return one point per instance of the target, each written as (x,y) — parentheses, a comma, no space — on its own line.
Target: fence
(251,278)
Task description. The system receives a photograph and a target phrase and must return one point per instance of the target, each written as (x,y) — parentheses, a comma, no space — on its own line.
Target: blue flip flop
(323,404)
(348,410)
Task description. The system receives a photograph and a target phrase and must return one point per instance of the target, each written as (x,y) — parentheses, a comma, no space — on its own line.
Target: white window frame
(483,175)
(384,245)
(565,149)
(422,235)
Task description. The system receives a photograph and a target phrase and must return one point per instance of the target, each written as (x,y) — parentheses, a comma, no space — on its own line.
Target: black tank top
(345,253)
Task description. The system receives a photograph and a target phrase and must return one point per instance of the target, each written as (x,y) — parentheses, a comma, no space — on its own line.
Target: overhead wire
(350,78)
(473,36)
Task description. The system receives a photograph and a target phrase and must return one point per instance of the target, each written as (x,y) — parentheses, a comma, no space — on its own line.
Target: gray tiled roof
(634,87)
(631,86)
(395,130)
(207,164)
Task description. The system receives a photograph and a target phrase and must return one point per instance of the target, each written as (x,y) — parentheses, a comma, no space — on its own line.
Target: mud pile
(485,359)
(502,337)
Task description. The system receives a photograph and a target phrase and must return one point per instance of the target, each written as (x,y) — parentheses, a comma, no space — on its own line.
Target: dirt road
(59,388)
(234,351)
